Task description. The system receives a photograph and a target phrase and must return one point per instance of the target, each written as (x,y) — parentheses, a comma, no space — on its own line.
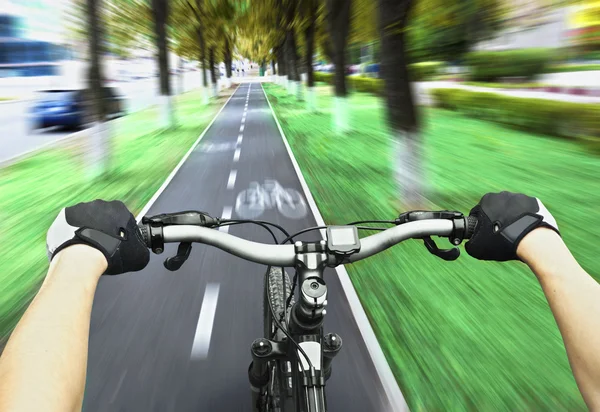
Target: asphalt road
(144,324)
(16,136)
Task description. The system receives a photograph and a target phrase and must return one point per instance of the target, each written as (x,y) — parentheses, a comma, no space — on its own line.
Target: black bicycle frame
(305,326)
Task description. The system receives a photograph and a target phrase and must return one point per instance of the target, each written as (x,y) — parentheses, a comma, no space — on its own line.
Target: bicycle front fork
(264,350)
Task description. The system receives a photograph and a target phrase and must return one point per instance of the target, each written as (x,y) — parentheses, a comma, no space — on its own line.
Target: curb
(566,90)
(15,101)
(574,91)
(21,156)
(558,92)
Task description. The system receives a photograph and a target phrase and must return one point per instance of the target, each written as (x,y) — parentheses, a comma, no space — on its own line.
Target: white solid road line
(181,162)
(240,137)
(226,215)
(236,155)
(390,385)
(206,319)
(231,180)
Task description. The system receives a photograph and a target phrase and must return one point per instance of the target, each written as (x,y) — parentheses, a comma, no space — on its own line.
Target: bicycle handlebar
(285,255)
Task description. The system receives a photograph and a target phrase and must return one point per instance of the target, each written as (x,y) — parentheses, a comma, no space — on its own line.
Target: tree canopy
(437,29)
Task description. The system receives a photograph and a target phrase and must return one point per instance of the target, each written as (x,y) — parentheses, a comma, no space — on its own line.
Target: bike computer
(342,240)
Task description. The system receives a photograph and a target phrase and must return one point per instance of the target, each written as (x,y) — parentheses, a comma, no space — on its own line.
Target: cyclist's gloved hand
(106,226)
(503,219)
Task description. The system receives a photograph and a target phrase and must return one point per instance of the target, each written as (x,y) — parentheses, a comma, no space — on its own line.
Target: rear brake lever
(183,252)
(446,254)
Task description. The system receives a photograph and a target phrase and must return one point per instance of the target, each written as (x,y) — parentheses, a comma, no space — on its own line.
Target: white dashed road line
(241,128)
(226,215)
(205,322)
(236,155)
(231,180)
(240,137)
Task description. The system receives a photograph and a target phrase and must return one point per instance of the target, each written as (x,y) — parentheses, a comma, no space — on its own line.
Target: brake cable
(273,315)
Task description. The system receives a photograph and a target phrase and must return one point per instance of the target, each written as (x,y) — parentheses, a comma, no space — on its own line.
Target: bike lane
(180,341)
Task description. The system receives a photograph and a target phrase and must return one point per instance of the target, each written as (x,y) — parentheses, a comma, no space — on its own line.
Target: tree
(99,150)
(228,59)
(281,63)
(188,22)
(400,103)
(160,13)
(338,18)
(309,40)
(128,25)
(273,69)
(211,64)
(445,31)
(291,53)
(218,17)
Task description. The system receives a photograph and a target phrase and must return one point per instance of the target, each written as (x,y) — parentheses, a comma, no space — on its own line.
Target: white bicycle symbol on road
(252,202)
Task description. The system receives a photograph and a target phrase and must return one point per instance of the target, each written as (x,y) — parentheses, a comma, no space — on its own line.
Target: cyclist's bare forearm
(574,297)
(43,366)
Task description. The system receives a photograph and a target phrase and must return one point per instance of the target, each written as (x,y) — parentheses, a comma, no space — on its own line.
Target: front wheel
(276,397)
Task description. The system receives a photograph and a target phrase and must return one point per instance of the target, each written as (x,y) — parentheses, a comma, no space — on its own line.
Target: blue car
(70,108)
(372,69)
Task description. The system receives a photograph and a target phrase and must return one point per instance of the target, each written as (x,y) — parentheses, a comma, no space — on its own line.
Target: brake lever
(183,252)
(189,217)
(446,254)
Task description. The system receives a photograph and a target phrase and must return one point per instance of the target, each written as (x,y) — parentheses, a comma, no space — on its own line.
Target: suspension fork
(263,351)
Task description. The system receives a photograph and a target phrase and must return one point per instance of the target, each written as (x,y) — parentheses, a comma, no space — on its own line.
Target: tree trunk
(228,61)
(99,144)
(160,11)
(401,110)
(309,36)
(291,51)
(181,85)
(281,69)
(292,62)
(205,97)
(326,47)
(338,18)
(213,75)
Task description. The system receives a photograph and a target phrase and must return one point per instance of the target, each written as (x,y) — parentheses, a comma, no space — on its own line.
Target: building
(30,38)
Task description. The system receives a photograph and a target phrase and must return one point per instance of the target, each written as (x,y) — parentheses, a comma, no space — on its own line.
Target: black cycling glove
(503,219)
(107,226)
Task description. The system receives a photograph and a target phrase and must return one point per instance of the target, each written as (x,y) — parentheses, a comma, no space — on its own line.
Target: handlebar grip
(145,234)
(471,225)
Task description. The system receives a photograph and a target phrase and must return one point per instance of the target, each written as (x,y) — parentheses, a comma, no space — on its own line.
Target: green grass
(464,335)
(562,68)
(33,191)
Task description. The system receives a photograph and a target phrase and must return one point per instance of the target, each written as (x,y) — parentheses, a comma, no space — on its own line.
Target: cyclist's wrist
(543,250)
(83,261)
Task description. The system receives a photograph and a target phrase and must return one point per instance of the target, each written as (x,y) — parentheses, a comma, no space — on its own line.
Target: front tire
(275,397)
(274,289)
